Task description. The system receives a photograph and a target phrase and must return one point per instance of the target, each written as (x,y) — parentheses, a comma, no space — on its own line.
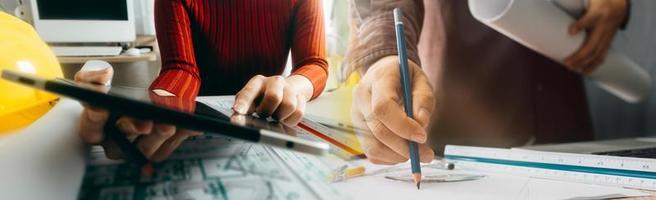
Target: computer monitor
(84,21)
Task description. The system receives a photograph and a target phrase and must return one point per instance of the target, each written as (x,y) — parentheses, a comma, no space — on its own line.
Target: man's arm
(377,102)
(372,31)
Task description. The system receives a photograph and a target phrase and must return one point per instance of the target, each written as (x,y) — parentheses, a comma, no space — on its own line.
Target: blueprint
(212,167)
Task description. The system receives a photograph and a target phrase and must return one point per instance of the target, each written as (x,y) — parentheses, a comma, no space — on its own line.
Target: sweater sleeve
(309,43)
(372,31)
(179,73)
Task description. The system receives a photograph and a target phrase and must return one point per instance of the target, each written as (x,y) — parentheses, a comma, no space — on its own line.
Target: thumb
(582,23)
(100,76)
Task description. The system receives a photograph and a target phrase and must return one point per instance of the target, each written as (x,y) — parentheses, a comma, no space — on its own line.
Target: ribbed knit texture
(213,47)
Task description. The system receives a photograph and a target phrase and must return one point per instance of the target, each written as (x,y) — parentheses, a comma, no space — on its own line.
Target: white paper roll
(574,8)
(542,26)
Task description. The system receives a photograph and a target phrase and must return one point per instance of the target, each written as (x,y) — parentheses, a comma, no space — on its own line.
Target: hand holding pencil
(377,105)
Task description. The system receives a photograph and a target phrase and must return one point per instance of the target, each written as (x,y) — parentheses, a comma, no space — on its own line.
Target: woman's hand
(601,20)
(281,98)
(155,141)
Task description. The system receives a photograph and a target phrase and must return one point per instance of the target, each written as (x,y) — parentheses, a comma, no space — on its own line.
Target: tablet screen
(192,106)
(220,108)
(141,103)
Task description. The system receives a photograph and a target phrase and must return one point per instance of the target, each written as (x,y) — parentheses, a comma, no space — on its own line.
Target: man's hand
(601,21)
(155,141)
(378,103)
(283,99)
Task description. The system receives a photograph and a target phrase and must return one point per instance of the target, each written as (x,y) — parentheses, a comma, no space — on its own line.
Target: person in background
(215,47)
(227,47)
(488,89)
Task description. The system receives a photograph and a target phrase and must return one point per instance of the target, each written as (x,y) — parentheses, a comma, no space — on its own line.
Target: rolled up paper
(541,26)
(574,8)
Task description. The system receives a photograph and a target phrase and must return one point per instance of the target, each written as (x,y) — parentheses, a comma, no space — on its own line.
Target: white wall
(9,5)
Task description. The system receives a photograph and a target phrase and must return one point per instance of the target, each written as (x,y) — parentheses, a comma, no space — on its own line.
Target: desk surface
(46,159)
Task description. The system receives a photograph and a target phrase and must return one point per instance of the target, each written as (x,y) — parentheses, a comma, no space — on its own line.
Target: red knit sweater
(213,47)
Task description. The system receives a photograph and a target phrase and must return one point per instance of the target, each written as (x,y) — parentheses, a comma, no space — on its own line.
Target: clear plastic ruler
(346,144)
(627,172)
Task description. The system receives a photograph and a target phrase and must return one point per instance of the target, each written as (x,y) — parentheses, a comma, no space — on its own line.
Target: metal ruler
(626,172)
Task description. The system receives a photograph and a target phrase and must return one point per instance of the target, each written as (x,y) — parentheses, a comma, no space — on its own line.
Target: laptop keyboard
(636,153)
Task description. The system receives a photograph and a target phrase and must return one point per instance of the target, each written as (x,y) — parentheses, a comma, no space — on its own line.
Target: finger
(577,60)
(400,145)
(380,162)
(583,23)
(131,126)
(101,77)
(600,53)
(388,138)
(360,110)
(297,115)
(423,101)
(272,96)
(238,119)
(287,105)
(245,98)
(386,107)
(148,144)
(376,150)
(598,58)
(426,154)
(171,144)
(596,40)
(92,122)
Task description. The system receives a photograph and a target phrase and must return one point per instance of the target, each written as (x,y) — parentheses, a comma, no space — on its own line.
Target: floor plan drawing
(211,167)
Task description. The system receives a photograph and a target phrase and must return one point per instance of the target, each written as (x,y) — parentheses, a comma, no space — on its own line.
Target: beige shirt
(490,90)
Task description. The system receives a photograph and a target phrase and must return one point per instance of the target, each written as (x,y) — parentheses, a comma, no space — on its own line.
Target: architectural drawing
(211,167)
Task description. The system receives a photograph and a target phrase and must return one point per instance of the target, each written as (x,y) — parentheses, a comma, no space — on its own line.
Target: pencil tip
(417,178)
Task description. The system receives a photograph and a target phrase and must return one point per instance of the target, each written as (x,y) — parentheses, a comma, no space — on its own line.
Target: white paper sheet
(542,26)
(493,186)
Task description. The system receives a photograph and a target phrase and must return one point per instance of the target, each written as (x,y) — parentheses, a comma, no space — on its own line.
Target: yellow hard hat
(22,50)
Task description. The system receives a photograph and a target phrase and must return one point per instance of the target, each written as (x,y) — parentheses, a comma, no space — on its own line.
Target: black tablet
(143,104)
